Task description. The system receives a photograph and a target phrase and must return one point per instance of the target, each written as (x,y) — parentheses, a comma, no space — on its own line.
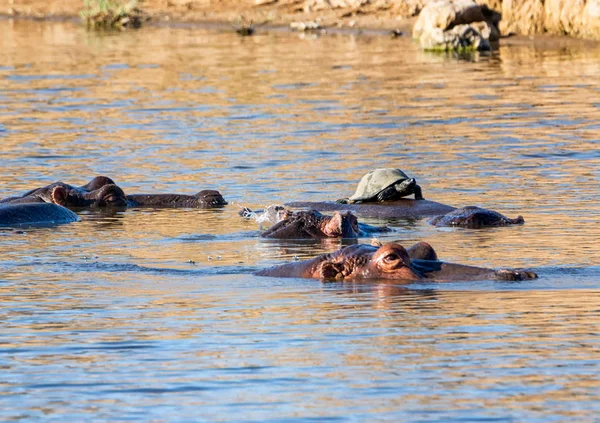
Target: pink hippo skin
(389,261)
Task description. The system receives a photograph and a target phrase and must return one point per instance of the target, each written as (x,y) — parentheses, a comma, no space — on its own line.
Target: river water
(154,315)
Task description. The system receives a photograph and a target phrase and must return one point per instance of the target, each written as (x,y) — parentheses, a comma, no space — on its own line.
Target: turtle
(384,185)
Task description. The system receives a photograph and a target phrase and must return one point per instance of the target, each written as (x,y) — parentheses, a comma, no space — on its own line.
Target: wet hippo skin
(35,214)
(42,194)
(205,199)
(99,192)
(475,217)
(403,208)
(389,261)
(312,224)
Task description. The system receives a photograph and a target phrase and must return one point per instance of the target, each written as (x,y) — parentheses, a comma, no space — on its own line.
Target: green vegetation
(112,14)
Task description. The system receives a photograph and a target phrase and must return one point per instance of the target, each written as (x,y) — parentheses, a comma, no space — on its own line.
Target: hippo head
(97,183)
(312,224)
(106,196)
(390,261)
(475,217)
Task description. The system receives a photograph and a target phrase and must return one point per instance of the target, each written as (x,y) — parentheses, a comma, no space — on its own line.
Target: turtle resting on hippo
(379,194)
(389,261)
(312,224)
(382,185)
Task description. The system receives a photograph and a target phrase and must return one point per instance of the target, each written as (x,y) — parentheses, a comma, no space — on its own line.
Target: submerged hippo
(312,224)
(42,194)
(72,197)
(34,214)
(205,199)
(401,209)
(101,191)
(474,217)
(390,261)
(96,183)
(95,193)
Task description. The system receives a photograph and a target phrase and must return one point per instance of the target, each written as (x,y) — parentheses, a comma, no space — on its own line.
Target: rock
(264,2)
(580,18)
(522,17)
(590,22)
(445,14)
(459,38)
(455,25)
(305,26)
(333,4)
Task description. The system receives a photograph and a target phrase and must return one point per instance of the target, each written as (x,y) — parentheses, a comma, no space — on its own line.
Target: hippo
(73,197)
(403,208)
(42,194)
(204,199)
(101,191)
(91,194)
(312,224)
(389,261)
(34,214)
(474,217)
(379,194)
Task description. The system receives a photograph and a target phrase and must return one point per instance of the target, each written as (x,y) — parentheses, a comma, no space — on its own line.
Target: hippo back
(35,214)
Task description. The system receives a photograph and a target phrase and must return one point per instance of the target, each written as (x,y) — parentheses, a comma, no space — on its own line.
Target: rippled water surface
(107,319)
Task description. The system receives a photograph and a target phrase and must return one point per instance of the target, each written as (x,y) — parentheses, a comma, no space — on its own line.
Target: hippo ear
(375,242)
(211,197)
(333,228)
(59,195)
(204,193)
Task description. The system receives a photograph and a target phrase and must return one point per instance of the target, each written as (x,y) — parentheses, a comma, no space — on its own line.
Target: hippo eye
(111,198)
(392,257)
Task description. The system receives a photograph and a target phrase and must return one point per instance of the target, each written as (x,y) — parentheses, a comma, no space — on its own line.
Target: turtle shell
(376,181)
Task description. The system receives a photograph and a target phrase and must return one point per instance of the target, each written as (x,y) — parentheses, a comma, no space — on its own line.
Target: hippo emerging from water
(398,209)
(390,261)
(312,224)
(474,217)
(102,191)
(205,199)
(99,192)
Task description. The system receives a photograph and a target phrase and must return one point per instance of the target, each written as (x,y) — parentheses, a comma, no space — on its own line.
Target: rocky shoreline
(579,19)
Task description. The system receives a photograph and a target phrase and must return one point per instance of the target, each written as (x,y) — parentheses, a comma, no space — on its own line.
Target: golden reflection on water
(276,118)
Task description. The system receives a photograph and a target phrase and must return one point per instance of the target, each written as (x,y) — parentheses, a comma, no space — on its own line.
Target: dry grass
(112,14)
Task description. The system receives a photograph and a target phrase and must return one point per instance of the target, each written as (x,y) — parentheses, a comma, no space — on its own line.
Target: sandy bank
(380,16)
(234,12)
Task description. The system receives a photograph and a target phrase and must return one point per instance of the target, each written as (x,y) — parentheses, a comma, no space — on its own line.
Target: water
(155,315)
